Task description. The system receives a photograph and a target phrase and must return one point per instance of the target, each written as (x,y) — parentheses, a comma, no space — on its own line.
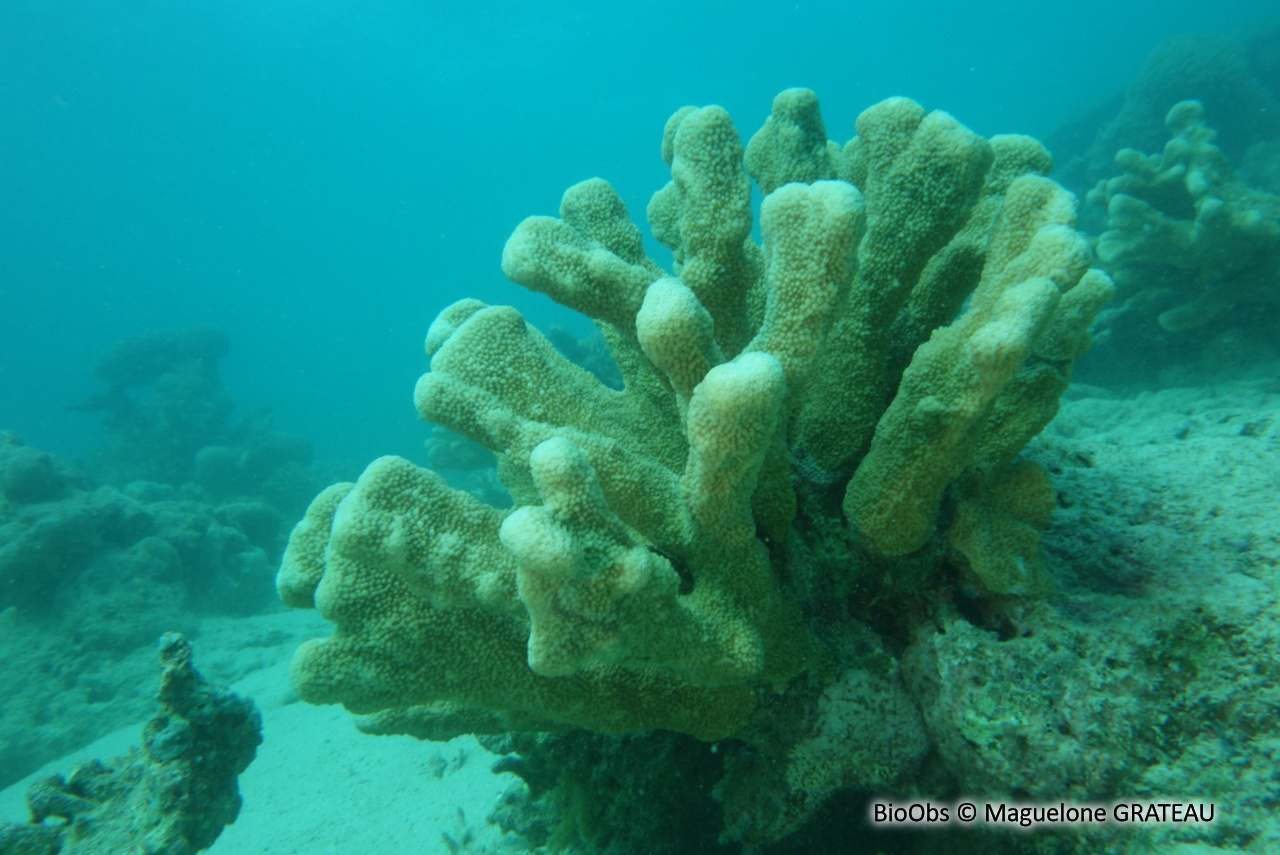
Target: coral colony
(816,441)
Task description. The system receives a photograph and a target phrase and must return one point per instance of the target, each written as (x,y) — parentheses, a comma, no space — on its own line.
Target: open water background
(321,178)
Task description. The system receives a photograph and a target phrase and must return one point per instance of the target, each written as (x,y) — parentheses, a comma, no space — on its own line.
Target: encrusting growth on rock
(171,797)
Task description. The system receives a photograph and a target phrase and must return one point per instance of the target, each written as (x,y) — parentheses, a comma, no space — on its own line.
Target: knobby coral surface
(808,426)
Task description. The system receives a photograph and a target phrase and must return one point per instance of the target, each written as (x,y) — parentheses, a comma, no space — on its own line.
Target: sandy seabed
(1167,519)
(318,785)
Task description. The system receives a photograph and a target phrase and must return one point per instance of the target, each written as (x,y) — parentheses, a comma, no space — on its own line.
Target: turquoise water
(225,228)
(320,179)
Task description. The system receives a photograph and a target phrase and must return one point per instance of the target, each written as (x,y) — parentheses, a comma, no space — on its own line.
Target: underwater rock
(449,451)
(260,523)
(586,792)
(28,475)
(171,797)
(45,545)
(862,733)
(592,353)
(164,401)
(466,465)
(145,358)
(261,464)
(92,573)
(224,552)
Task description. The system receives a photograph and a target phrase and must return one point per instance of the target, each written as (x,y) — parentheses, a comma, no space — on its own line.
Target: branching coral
(671,558)
(1182,223)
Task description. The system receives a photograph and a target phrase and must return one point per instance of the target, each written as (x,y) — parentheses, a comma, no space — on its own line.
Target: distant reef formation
(181,515)
(92,572)
(1235,78)
(1193,245)
(167,420)
(1185,223)
(1182,176)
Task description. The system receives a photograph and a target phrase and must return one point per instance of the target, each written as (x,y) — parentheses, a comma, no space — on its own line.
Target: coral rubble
(89,574)
(172,797)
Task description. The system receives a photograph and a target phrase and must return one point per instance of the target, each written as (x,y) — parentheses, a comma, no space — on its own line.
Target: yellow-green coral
(996,528)
(663,565)
(923,174)
(411,631)
(792,146)
(942,415)
(303,564)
